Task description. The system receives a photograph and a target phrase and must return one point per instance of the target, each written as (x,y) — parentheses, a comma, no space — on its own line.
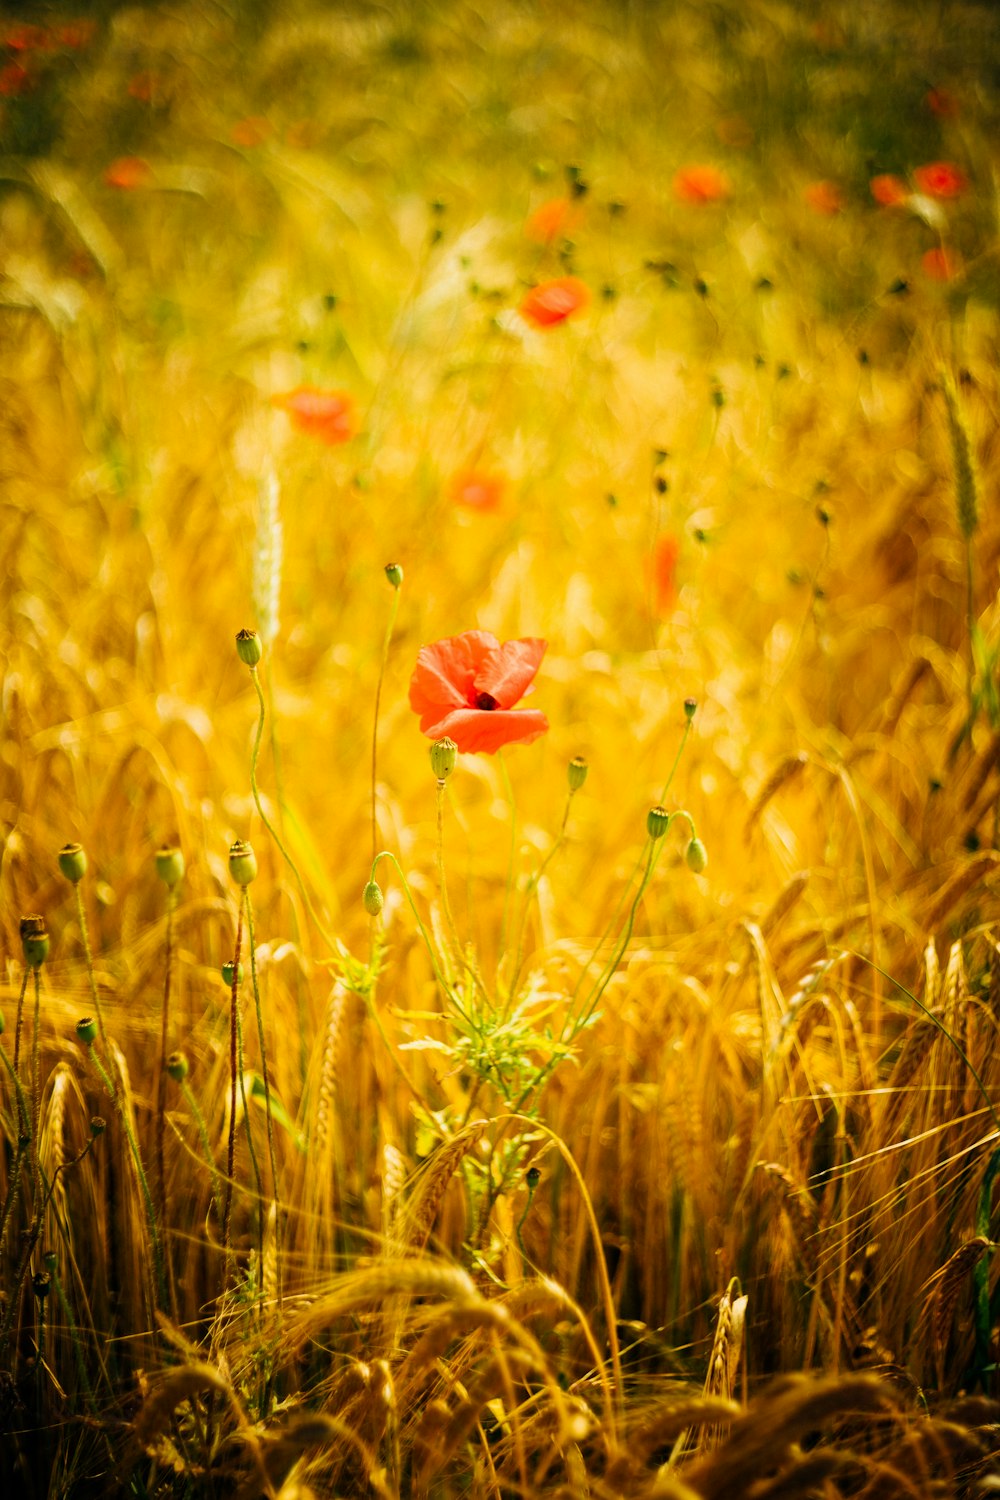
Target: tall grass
(570,1164)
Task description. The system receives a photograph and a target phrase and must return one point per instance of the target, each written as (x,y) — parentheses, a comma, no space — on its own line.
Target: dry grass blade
(784,773)
(372,1284)
(941,1302)
(168,1392)
(417,1219)
(676,1417)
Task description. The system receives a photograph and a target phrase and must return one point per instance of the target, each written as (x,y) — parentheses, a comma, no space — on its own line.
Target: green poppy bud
(533,1177)
(170,865)
(242,863)
(690,708)
(73,862)
(86,1030)
(34,941)
(372,897)
(227,974)
(577,773)
(248,647)
(657,822)
(696,856)
(444,758)
(394,573)
(177,1066)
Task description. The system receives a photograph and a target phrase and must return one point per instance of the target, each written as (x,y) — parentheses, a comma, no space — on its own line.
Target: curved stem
(378,698)
(227,1208)
(161,1088)
(267,1084)
(88,959)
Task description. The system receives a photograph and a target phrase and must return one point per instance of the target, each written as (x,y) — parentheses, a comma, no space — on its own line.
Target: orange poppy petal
(941,179)
(552,302)
(474,730)
(700,184)
(507,673)
(889,190)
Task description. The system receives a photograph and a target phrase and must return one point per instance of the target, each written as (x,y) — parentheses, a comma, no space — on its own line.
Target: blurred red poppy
(14,80)
(129,173)
(466,687)
(553,302)
(663,571)
(477,490)
(940,264)
(26,37)
(823,198)
(700,184)
(941,179)
(889,190)
(327,415)
(557,217)
(76,33)
(252,131)
(942,103)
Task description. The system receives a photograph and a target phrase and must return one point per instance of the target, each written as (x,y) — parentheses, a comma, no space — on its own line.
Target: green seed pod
(577,773)
(444,758)
(86,1030)
(73,862)
(242,863)
(227,975)
(657,822)
(394,573)
(532,1177)
(696,856)
(690,708)
(372,897)
(40,1283)
(98,1125)
(170,865)
(34,941)
(177,1066)
(248,647)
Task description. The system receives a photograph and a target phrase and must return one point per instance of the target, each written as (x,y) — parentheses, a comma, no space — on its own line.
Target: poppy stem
(531,888)
(445,903)
(378,698)
(508,888)
(441,978)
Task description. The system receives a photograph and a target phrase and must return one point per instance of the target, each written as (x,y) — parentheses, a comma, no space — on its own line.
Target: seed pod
(657,822)
(248,647)
(98,1125)
(34,941)
(576,773)
(444,758)
(690,708)
(696,856)
(170,865)
(227,974)
(40,1283)
(242,862)
(394,574)
(177,1066)
(73,862)
(86,1030)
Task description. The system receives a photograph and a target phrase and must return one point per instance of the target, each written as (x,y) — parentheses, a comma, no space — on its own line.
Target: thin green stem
(227,1210)
(161,1088)
(445,984)
(206,1144)
(378,698)
(532,886)
(258,1181)
(508,888)
(255,679)
(677,761)
(88,959)
(17,1029)
(267,1083)
(442,882)
(74,1333)
(36,1087)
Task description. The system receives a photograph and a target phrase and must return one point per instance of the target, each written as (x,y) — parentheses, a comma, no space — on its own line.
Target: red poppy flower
(553,302)
(700,184)
(15,80)
(942,103)
(466,687)
(941,179)
(552,219)
(888,190)
(129,173)
(663,571)
(76,33)
(823,198)
(26,37)
(477,490)
(327,415)
(940,264)
(253,131)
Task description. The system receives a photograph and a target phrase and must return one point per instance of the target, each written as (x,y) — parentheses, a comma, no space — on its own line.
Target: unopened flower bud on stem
(242,862)
(248,647)
(576,773)
(73,862)
(444,758)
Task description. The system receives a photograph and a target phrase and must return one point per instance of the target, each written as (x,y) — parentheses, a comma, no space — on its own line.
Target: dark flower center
(486,701)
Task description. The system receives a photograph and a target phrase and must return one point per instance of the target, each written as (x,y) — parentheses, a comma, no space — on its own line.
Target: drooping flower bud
(657,822)
(248,647)
(227,974)
(73,862)
(394,573)
(242,862)
(170,865)
(444,758)
(696,856)
(372,898)
(34,941)
(86,1030)
(177,1066)
(576,773)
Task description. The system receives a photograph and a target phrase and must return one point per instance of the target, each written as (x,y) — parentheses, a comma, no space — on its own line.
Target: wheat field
(500,750)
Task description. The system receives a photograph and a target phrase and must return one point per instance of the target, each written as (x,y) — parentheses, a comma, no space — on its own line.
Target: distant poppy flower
(252,131)
(941,179)
(888,190)
(823,198)
(940,264)
(15,80)
(942,103)
(556,217)
(663,571)
(553,302)
(76,33)
(477,490)
(129,173)
(142,86)
(26,38)
(466,687)
(327,415)
(700,184)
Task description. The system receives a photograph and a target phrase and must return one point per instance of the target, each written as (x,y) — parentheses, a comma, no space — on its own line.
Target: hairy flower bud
(73,862)
(372,898)
(177,1066)
(696,856)
(248,647)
